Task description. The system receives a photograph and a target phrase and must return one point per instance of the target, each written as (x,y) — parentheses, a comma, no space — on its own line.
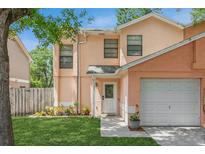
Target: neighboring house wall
(194,30)
(19,65)
(156,35)
(170,66)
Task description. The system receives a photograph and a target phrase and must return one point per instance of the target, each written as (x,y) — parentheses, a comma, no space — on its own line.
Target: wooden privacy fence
(26,101)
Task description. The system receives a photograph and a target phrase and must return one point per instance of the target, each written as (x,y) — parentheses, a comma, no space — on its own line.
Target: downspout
(78,70)
(93,95)
(78,74)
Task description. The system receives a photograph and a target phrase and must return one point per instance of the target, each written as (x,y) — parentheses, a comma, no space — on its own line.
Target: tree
(48,29)
(41,69)
(198,15)
(125,15)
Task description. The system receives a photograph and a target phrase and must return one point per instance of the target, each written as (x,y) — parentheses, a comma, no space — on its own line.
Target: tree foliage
(125,15)
(51,29)
(198,15)
(41,68)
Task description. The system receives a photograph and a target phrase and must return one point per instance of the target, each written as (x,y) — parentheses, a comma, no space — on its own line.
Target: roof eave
(162,18)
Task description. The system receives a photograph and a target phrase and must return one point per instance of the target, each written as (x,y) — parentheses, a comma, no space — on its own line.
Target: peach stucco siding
(186,62)
(19,65)
(91,52)
(170,65)
(156,35)
(194,29)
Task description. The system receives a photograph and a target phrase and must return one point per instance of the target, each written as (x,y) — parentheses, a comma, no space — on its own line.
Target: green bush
(59,110)
(70,110)
(42,113)
(49,110)
(135,117)
(85,111)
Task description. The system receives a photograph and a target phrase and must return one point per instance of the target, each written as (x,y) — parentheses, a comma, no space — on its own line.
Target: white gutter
(93,96)
(78,70)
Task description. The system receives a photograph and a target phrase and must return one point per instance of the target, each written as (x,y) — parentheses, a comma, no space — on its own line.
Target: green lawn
(67,131)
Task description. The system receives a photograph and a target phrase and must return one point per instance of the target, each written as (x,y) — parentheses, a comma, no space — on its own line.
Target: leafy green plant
(86,111)
(42,113)
(69,111)
(49,110)
(59,111)
(41,68)
(135,117)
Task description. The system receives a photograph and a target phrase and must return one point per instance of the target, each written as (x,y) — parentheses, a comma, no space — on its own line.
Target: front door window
(109,101)
(109,91)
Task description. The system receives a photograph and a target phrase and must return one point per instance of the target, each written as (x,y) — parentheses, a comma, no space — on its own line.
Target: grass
(67,131)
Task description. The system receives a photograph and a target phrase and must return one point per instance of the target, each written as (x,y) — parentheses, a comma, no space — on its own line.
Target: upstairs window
(110,48)
(66,56)
(134,45)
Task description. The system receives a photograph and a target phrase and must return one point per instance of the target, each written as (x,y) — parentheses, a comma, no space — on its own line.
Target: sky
(103,18)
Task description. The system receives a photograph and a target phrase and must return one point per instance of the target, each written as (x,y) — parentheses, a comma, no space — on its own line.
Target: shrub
(49,110)
(42,113)
(135,117)
(59,110)
(86,111)
(70,110)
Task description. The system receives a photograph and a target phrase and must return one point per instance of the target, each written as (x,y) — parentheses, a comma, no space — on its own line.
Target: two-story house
(151,64)
(19,64)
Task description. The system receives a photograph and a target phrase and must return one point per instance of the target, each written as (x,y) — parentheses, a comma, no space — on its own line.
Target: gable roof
(163,51)
(152,14)
(21,45)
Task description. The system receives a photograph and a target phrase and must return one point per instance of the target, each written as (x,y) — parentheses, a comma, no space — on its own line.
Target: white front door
(109,98)
(170,102)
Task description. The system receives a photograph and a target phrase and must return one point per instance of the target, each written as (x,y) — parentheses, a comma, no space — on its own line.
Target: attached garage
(170,102)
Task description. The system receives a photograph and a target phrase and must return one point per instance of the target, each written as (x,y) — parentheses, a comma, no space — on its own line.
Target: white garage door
(170,102)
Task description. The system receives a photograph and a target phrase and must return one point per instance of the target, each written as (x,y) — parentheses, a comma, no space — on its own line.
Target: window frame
(111,48)
(65,56)
(135,45)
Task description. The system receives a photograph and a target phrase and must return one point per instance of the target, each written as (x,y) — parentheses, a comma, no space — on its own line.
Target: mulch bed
(136,129)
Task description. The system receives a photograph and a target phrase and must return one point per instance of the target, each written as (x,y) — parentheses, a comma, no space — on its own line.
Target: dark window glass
(66,56)
(110,48)
(134,45)
(109,88)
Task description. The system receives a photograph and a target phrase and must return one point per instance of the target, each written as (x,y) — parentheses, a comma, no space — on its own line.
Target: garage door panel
(186,120)
(149,119)
(170,102)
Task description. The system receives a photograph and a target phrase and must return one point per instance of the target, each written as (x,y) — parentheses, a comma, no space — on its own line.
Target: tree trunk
(6,133)
(7,17)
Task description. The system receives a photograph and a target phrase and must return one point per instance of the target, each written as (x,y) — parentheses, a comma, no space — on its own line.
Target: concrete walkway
(112,126)
(177,136)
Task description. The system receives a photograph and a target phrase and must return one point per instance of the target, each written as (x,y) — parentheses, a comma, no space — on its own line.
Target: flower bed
(60,111)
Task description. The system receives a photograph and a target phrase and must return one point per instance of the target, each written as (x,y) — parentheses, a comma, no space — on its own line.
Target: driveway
(177,136)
